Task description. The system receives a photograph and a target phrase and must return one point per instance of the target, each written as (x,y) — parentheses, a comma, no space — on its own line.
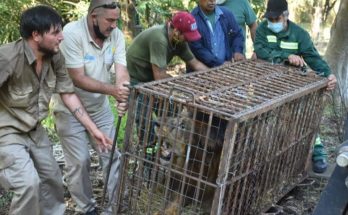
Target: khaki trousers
(75,141)
(28,168)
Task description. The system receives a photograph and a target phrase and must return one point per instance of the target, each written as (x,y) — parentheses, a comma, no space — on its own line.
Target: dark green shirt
(152,47)
(276,47)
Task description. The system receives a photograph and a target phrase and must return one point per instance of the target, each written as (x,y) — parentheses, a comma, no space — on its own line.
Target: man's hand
(332,82)
(122,105)
(238,56)
(74,104)
(296,60)
(121,92)
(227,63)
(254,56)
(104,143)
(121,108)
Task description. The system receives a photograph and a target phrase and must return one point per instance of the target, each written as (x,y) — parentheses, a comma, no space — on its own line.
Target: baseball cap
(111,4)
(186,24)
(275,8)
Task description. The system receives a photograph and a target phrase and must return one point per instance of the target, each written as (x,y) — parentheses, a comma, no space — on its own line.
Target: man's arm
(122,83)
(159,73)
(74,105)
(311,55)
(196,65)
(204,54)
(81,80)
(122,75)
(252,28)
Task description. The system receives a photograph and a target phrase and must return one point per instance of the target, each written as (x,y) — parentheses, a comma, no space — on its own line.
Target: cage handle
(189,94)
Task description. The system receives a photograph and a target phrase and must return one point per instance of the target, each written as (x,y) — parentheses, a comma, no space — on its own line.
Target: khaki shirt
(80,51)
(25,97)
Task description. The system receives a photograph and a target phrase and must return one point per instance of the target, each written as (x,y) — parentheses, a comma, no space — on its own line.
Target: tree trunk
(316,23)
(328,6)
(337,58)
(131,27)
(337,50)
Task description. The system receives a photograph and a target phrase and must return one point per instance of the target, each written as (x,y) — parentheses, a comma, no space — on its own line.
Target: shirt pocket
(19,96)
(49,87)
(272,42)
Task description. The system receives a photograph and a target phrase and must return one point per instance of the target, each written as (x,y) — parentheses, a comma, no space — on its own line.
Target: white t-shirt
(80,50)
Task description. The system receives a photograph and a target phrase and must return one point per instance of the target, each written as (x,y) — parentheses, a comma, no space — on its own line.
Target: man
(244,15)
(152,50)
(91,47)
(32,69)
(222,39)
(279,40)
(148,57)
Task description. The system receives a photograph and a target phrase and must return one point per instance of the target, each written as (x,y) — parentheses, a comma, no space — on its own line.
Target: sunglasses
(112,5)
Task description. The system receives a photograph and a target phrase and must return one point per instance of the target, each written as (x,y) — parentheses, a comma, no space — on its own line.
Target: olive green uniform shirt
(152,47)
(24,96)
(276,47)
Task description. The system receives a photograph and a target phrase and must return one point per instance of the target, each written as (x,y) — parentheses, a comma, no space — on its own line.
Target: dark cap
(111,4)
(275,8)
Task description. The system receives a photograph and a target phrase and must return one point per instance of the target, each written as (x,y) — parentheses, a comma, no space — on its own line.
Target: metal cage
(231,140)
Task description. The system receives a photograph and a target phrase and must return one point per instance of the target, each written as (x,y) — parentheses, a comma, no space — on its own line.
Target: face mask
(275,27)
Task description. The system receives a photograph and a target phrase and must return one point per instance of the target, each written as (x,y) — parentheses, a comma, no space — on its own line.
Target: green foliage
(304,12)
(11,10)
(153,12)
(70,10)
(259,7)
(49,124)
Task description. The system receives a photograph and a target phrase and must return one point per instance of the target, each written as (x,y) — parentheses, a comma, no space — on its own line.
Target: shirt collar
(90,39)
(218,12)
(285,33)
(28,52)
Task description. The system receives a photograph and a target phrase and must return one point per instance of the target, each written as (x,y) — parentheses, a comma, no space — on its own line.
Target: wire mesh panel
(231,140)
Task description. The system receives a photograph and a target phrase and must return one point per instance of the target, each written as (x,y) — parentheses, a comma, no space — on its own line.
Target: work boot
(319,157)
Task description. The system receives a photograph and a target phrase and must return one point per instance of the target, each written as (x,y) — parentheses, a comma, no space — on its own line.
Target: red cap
(186,24)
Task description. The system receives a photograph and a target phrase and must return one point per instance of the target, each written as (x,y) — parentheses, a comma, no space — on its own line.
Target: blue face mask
(275,27)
